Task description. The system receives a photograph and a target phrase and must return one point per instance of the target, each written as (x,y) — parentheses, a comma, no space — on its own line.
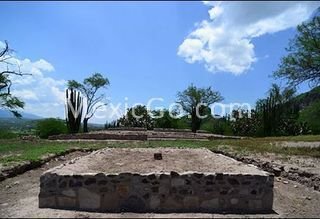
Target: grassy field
(14,151)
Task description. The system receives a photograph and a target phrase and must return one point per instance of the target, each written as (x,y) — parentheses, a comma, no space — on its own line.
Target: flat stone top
(141,161)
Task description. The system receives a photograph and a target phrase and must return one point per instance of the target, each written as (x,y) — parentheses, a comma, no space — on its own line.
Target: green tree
(137,116)
(278,112)
(310,115)
(302,64)
(166,121)
(7,100)
(90,89)
(193,100)
(51,126)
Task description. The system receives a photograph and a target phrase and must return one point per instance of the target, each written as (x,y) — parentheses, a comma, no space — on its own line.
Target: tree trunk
(85,125)
(195,122)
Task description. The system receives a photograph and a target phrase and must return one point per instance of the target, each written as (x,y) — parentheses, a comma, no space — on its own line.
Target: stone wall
(171,130)
(101,136)
(126,129)
(171,192)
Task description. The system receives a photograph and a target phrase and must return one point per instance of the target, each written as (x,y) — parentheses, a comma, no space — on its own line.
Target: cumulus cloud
(43,95)
(224,41)
(25,94)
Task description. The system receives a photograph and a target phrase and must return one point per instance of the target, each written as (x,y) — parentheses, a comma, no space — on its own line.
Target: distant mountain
(307,98)
(7,114)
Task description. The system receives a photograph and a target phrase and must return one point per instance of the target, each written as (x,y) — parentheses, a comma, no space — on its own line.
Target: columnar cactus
(74,106)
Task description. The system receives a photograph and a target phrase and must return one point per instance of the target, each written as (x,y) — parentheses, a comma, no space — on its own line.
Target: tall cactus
(74,106)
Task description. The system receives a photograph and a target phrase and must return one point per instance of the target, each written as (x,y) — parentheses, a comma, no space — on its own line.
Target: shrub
(8,134)
(220,126)
(51,126)
(311,115)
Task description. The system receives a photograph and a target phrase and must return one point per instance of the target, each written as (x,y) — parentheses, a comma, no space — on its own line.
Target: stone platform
(132,180)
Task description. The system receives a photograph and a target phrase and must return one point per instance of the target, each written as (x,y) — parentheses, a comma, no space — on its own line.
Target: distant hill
(7,114)
(18,125)
(307,98)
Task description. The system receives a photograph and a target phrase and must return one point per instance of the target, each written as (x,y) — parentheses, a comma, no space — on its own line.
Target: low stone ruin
(133,180)
(101,136)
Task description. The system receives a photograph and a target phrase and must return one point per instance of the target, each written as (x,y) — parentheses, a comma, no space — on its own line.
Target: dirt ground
(141,160)
(19,199)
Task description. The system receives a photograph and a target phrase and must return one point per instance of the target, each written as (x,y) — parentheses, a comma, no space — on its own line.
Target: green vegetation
(18,125)
(90,88)
(302,64)
(311,115)
(4,134)
(196,101)
(51,126)
(166,121)
(13,151)
(137,116)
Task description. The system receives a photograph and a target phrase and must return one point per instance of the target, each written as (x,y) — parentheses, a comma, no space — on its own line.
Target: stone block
(255,205)
(210,204)
(154,202)
(88,200)
(69,193)
(109,201)
(66,202)
(47,202)
(177,182)
(191,202)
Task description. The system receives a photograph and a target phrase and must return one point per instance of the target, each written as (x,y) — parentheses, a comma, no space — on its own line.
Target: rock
(16,183)
(88,200)
(285,182)
(47,202)
(277,171)
(295,186)
(209,204)
(66,202)
(8,186)
(234,201)
(154,202)
(69,193)
(191,202)
(177,182)
(157,156)
(308,198)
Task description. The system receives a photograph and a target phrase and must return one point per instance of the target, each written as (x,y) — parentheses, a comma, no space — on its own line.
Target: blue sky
(148,49)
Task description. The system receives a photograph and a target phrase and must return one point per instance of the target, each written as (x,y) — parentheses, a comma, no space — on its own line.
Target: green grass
(13,150)
(308,138)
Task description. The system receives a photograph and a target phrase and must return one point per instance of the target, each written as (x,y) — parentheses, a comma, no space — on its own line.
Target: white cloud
(25,94)
(43,95)
(224,42)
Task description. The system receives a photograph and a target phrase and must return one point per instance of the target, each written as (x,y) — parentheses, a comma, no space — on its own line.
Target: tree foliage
(7,100)
(90,89)
(166,121)
(192,97)
(302,64)
(137,116)
(51,126)
(311,116)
